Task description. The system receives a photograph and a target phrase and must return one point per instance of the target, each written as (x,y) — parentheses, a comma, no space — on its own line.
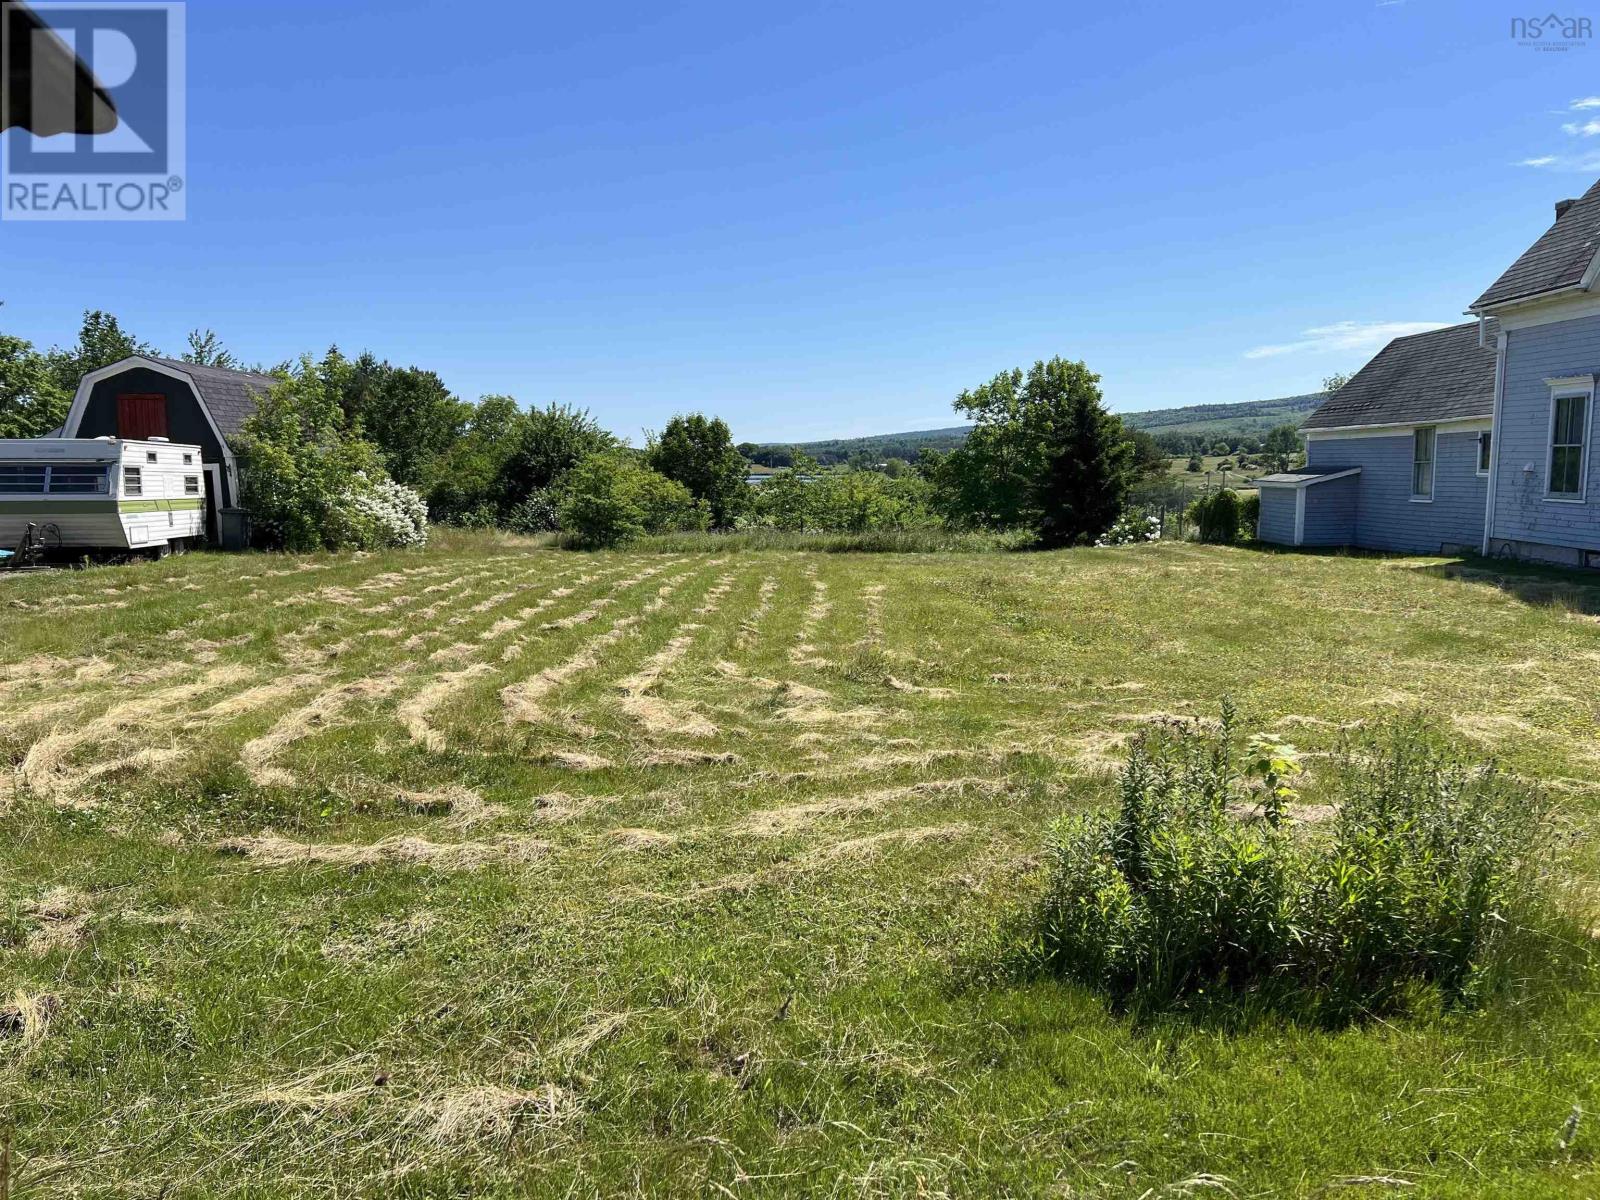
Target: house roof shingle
(1557,260)
(231,396)
(1443,375)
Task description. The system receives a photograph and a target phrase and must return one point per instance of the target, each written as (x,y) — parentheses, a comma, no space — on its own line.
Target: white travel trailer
(102,494)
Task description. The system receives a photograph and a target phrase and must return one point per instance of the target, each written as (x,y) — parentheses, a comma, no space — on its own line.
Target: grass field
(497,870)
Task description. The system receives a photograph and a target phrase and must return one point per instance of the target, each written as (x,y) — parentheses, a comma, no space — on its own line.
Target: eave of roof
(1426,378)
(1562,260)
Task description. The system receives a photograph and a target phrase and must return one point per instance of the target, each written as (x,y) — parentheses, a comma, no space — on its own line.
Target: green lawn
(500,870)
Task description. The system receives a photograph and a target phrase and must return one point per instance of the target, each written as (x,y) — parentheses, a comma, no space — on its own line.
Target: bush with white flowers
(389,513)
(1132,528)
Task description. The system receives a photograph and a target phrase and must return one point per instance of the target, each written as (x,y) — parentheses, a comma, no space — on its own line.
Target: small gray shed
(1309,508)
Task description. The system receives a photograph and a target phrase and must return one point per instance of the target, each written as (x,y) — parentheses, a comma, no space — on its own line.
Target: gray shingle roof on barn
(1439,376)
(1557,260)
(231,396)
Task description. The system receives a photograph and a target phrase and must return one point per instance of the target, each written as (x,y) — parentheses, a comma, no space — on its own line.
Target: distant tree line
(1043,456)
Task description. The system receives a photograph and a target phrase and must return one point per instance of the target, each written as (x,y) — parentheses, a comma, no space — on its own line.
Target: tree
(610,498)
(32,403)
(1282,447)
(1149,459)
(1196,464)
(467,479)
(1333,383)
(310,483)
(1089,461)
(1221,448)
(101,342)
(987,481)
(550,442)
(698,452)
(206,350)
(1043,454)
(406,412)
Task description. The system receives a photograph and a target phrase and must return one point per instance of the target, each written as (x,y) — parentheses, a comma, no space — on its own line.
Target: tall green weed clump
(1210,880)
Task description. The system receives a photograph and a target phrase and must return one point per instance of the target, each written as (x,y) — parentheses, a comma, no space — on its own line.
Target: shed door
(140,417)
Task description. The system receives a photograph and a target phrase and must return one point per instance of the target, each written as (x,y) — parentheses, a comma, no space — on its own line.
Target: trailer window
(21,478)
(132,481)
(75,480)
(188,460)
(191,485)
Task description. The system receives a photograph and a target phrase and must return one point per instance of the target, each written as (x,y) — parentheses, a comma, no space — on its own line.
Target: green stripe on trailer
(148,506)
(76,507)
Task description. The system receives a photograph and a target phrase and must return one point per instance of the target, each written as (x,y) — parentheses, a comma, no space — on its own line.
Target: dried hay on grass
(522,701)
(414,713)
(750,627)
(462,805)
(572,760)
(642,839)
(877,842)
(28,1017)
(45,769)
(272,851)
(63,916)
(488,1114)
(688,758)
(323,712)
(934,693)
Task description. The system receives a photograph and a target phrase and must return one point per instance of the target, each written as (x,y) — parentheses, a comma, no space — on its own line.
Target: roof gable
(1557,261)
(231,397)
(1444,375)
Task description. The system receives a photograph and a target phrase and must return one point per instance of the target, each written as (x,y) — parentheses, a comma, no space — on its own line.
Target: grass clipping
(1202,887)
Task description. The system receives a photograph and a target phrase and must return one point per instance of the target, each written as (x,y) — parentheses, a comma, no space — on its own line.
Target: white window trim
(1483,471)
(1433,465)
(1566,388)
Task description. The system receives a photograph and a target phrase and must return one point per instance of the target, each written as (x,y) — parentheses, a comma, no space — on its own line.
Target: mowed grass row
(495,868)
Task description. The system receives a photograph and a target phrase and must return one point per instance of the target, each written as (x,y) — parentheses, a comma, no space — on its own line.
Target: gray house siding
(1522,513)
(1331,512)
(1277,516)
(1386,516)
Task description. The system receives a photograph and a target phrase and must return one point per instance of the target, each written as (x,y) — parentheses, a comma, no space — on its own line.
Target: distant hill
(1248,419)
(1239,420)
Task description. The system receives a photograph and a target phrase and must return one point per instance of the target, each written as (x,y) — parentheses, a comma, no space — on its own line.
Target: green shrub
(1217,515)
(1209,883)
(538,512)
(311,484)
(1250,515)
(609,499)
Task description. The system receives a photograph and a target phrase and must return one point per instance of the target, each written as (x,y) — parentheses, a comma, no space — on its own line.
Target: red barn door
(141,417)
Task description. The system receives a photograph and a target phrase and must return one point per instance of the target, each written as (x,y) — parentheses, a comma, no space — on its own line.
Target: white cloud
(1586,103)
(1345,337)
(1584,128)
(1588,162)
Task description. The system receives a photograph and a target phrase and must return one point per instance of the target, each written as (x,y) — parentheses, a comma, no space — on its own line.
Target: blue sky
(826,220)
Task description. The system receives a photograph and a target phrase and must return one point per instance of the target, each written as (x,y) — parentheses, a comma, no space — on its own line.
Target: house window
(141,416)
(132,481)
(1485,441)
(1422,463)
(191,485)
(1569,423)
